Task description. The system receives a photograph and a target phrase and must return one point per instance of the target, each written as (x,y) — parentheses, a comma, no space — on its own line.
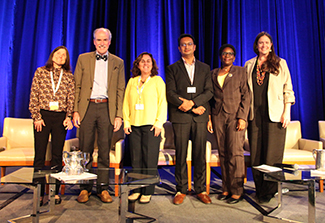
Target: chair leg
(47,189)
(189,175)
(208,177)
(245,179)
(321,186)
(3,172)
(62,189)
(117,177)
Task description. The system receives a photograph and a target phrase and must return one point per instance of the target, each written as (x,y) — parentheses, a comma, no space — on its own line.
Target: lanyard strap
(140,90)
(55,89)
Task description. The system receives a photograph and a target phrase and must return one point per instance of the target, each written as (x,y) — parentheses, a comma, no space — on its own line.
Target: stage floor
(161,207)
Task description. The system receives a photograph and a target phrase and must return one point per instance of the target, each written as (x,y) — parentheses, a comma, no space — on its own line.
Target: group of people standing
(223,101)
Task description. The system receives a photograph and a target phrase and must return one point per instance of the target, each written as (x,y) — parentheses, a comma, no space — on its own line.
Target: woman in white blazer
(272,96)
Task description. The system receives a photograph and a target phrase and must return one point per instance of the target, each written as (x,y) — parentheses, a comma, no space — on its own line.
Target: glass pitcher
(72,163)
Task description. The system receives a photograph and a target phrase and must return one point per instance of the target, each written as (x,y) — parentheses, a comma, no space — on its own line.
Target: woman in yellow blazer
(144,113)
(272,96)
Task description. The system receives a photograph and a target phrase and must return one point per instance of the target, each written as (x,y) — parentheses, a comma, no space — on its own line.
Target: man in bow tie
(100,83)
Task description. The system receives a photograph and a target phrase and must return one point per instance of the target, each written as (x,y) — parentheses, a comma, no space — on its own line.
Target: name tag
(139,106)
(54,105)
(191,90)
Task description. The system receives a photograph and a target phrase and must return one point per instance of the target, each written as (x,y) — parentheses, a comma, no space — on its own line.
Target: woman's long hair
(66,66)
(272,64)
(135,69)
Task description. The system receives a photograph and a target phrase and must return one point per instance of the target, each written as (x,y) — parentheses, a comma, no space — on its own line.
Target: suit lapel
(92,63)
(215,78)
(250,68)
(184,71)
(231,74)
(110,63)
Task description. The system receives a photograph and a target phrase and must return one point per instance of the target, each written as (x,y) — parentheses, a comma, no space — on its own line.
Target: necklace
(260,75)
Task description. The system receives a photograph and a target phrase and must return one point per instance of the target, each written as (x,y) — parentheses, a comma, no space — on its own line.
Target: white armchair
(18,141)
(298,150)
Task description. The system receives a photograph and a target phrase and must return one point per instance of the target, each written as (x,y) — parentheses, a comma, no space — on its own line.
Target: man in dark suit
(100,83)
(189,90)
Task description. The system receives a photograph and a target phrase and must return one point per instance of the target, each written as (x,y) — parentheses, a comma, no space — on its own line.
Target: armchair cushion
(17,154)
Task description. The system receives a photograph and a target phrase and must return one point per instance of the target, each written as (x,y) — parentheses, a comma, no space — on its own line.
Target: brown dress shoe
(204,198)
(179,198)
(105,197)
(83,196)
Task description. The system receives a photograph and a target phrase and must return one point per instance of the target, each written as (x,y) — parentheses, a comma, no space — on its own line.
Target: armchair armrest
(119,149)
(323,141)
(208,151)
(69,143)
(309,145)
(3,142)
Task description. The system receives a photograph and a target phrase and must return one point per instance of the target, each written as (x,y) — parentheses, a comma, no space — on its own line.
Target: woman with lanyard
(144,113)
(51,107)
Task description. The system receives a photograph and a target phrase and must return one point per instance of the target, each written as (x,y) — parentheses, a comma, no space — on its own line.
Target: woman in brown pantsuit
(229,111)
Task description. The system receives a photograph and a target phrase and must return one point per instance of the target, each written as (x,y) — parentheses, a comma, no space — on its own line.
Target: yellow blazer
(279,90)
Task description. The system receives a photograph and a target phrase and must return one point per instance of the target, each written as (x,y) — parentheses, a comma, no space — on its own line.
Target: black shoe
(222,197)
(232,200)
(58,200)
(265,199)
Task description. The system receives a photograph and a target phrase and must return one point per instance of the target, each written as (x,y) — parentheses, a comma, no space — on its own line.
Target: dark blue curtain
(31,29)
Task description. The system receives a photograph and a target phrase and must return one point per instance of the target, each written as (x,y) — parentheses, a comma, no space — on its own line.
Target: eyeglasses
(228,53)
(186,44)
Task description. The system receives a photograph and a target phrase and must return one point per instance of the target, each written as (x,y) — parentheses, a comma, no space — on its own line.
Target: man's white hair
(105,30)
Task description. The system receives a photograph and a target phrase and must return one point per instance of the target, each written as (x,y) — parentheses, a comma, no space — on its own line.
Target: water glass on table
(85,161)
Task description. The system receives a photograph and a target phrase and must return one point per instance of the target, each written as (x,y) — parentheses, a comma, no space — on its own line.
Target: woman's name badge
(191,90)
(139,106)
(54,105)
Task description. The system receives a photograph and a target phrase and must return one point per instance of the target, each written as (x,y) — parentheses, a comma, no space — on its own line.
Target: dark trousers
(231,153)
(197,132)
(97,119)
(144,148)
(266,140)
(54,126)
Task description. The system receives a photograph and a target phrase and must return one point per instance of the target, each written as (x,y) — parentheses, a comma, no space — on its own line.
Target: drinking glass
(86,159)
(66,159)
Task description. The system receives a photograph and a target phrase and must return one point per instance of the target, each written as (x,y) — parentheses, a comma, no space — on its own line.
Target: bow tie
(98,57)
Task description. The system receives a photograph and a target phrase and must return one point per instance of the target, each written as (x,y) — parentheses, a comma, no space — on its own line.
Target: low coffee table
(128,179)
(300,177)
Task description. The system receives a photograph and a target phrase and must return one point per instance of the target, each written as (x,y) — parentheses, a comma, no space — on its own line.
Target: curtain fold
(31,29)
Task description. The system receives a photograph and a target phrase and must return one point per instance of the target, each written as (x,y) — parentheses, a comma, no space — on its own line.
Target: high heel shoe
(232,200)
(223,197)
(58,200)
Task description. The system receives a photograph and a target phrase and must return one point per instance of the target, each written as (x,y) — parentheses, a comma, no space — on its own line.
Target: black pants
(97,119)
(266,140)
(197,132)
(144,148)
(54,126)
(231,153)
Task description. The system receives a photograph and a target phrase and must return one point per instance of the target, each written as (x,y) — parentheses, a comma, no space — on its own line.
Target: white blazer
(279,90)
